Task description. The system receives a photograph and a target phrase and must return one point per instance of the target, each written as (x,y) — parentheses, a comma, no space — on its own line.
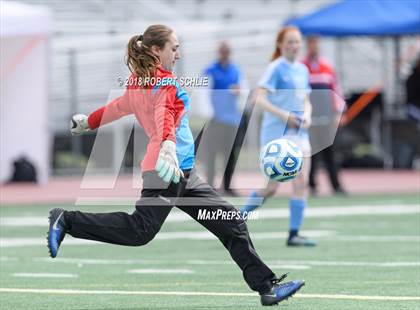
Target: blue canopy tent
(378,18)
(369,17)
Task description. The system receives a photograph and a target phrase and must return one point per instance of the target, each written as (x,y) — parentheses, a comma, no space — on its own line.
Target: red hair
(280,38)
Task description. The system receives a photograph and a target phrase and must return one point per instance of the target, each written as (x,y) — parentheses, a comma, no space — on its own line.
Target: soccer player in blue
(283,95)
(224,78)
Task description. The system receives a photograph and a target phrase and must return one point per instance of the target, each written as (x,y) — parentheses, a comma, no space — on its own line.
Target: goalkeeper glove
(79,124)
(167,163)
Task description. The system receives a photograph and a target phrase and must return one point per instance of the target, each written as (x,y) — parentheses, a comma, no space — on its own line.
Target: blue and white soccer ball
(281,160)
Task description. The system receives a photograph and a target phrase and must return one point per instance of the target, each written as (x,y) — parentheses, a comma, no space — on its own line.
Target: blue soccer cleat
(56,231)
(280,292)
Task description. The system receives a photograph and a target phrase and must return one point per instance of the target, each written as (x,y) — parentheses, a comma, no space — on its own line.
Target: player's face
(224,53)
(313,47)
(291,45)
(170,53)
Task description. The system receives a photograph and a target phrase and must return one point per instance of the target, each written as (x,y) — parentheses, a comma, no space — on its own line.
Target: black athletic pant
(327,155)
(151,211)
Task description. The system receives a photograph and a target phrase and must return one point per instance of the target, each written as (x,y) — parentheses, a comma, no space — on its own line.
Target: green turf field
(363,261)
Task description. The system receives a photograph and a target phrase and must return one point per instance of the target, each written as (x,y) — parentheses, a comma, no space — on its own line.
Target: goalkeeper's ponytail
(140,59)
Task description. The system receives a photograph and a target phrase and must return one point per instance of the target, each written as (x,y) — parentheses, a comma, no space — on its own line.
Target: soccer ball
(281,160)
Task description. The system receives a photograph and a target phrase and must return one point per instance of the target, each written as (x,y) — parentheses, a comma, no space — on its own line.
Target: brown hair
(140,59)
(280,38)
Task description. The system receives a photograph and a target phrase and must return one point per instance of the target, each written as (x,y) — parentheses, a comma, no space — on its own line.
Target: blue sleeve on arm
(208,71)
(269,78)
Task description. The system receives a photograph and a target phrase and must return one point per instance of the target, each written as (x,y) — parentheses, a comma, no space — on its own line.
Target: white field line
(93,261)
(221,294)
(291,267)
(326,235)
(176,235)
(374,238)
(301,263)
(359,297)
(165,271)
(281,264)
(322,212)
(44,275)
(206,235)
(346,264)
(21,242)
(8,259)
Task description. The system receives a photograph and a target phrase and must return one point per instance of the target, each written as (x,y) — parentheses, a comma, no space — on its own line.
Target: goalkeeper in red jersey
(160,105)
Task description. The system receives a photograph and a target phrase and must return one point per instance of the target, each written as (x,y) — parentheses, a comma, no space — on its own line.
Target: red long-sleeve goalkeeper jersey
(160,108)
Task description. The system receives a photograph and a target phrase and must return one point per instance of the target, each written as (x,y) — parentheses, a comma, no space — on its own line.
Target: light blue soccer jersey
(288,85)
(184,137)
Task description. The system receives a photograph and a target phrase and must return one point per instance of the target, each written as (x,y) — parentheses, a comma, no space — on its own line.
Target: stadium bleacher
(96,32)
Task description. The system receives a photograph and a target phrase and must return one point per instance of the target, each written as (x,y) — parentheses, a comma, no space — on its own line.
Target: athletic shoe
(230,193)
(56,231)
(340,192)
(280,292)
(300,241)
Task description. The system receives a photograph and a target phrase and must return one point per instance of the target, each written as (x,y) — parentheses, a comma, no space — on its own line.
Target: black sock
(292,233)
